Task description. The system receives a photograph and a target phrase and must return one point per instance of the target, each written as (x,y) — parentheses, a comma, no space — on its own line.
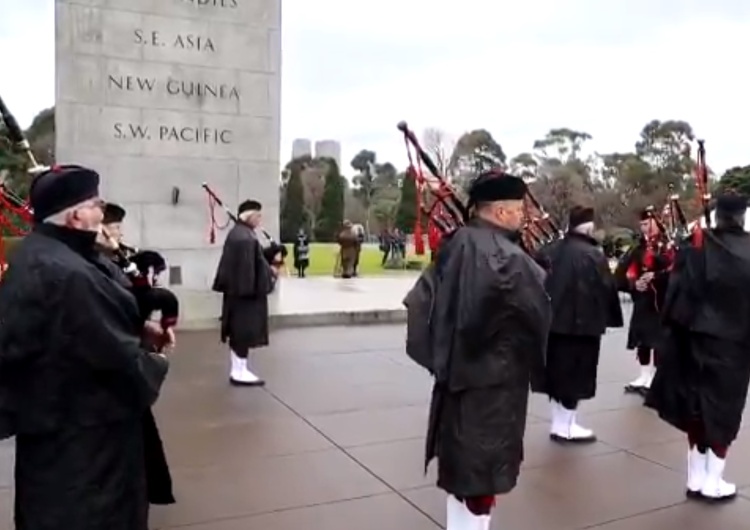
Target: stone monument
(162,95)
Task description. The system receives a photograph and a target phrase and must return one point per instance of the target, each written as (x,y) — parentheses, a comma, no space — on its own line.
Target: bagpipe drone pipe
(274,252)
(448,211)
(672,221)
(673,231)
(140,267)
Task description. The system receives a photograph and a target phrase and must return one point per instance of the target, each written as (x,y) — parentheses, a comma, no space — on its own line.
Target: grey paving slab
(335,441)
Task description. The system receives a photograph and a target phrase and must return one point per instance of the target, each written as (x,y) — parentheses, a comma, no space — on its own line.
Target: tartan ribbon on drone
(448,212)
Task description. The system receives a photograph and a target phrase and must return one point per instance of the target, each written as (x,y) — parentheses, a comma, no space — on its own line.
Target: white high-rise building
(328,149)
(301,147)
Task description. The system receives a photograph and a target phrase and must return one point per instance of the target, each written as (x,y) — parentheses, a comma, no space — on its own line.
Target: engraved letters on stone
(159,94)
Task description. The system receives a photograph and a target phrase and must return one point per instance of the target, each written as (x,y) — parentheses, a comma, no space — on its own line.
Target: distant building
(301,147)
(328,149)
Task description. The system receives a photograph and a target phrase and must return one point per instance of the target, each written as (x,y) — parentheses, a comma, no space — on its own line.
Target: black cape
(245,279)
(488,338)
(585,302)
(582,288)
(645,323)
(74,387)
(158,475)
(704,365)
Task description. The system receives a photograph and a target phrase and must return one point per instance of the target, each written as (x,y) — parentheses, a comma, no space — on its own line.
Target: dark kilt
(572,363)
(82,478)
(701,379)
(645,330)
(478,437)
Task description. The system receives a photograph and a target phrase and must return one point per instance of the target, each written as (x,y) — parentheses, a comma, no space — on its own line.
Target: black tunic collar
(82,242)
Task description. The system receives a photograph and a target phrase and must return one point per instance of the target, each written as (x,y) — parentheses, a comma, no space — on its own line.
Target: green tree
(475,152)
(293,214)
(524,165)
(376,186)
(406,215)
(364,181)
(331,214)
(41,136)
(558,189)
(665,146)
(12,164)
(736,178)
(562,145)
(559,177)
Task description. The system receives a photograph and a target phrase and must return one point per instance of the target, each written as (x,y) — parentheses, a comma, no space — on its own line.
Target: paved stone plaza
(318,300)
(335,442)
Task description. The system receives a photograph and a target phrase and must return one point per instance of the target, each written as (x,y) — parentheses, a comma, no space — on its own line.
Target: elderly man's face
(88,216)
(509,214)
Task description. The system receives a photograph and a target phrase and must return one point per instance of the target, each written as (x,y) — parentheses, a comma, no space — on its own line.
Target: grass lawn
(323,259)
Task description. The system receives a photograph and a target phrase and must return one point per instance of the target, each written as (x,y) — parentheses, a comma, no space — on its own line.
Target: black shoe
(235,382)
(693,495)
(572,441)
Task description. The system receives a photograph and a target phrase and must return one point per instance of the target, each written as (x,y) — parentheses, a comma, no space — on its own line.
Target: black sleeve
(529,314)
(112,343)
(238,267)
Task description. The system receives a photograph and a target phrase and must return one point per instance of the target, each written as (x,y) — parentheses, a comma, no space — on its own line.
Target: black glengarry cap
(61,187)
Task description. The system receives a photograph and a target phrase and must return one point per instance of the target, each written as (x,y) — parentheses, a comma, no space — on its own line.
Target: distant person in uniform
(643,272)
(301,253)
(348,249)
(386,246)
(360,231)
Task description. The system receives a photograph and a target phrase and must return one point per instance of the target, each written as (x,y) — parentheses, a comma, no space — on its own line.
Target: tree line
(559,167)
(316,195)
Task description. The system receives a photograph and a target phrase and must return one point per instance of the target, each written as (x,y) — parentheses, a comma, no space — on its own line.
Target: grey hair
(244,216)
(585,228)
(60,218)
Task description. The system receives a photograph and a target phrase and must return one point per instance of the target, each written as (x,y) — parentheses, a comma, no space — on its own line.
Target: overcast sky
(352,69)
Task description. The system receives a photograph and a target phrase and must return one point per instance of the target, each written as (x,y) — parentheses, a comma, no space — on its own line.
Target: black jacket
(74,386)
(584,296)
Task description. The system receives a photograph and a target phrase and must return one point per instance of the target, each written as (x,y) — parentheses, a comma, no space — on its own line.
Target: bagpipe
(448,212)
(140,267)
(672,230)
(704,196)
(275,253)
(673,223)
(657,253)
(143,268)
